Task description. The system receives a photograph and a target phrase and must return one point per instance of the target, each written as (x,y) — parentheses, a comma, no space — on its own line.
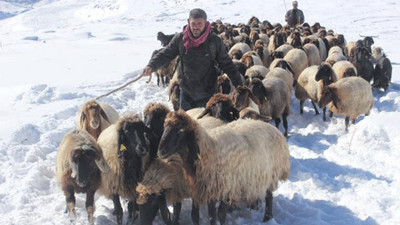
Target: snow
(57,54)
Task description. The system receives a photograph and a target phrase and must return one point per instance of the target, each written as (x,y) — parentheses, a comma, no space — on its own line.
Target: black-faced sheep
(243,98)
(251,58)
(383,69)
(323,50)
(256,71)
(80,162)
(263,53)
(274,97)
(225,85)
(211,165)
(221,106)
(350,97)
(237,51)
(311,83)
(344,69)
(94,117)
(162,183)
(276,40)
(124,147)
(285,48)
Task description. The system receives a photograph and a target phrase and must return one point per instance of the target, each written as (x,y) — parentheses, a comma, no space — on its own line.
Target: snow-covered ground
(57,54)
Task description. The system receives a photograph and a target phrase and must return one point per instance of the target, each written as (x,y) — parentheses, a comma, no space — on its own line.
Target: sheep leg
(70,199)
(268,206)
(89,205)
(347,123)
(118,209)
(165,214)
(353,121)
(158,79)
(323,114)
(301,106)
(177,212)
(195,214)
(285,123)
(330,114)
(222,210)
(277,122)
(133,211)
(212,213)
(315,108)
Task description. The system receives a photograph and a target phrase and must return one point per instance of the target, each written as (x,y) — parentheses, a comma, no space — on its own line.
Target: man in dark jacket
(200,51)
(294,16)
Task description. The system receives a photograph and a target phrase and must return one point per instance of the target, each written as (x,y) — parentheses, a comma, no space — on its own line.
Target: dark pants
(186,102)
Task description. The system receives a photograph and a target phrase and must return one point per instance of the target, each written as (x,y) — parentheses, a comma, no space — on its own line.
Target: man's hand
(147,71)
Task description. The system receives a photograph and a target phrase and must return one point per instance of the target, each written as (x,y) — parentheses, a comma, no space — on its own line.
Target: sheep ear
(101,163)
(193,153)
(255,100)
(104,115)
(82,119)
(205,112)
(74,168)
(234,113)
(335,98)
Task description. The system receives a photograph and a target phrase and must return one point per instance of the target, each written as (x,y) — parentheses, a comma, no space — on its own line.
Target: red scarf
(189,41)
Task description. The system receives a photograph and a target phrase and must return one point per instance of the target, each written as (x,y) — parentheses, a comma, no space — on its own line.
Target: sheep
(295,40)
(166,72)
(274,97)
(312,54)
(94,117)
(332,41)
(263,53)
(237,51)
(251,58)
(276,40)
(311,83)
(297,58)
(225,85)
(241,161)
(335,55)
(256,71)
(124,147)
(319,42)
(368,41)
(162,183)
(350,97)
(285,48)
(243,98)
(221,107)
(79,164)
(164,39)
(285,75)
(344,69)
(249,113)
(383,69)
(174,91)
(361,61)
(349,50)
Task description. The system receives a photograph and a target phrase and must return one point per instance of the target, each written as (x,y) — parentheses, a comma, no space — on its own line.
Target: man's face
(197,26)
(294,6)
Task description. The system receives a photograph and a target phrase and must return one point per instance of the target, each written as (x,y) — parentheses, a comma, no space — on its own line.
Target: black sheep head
(131,140)
(326,74)
(221,106)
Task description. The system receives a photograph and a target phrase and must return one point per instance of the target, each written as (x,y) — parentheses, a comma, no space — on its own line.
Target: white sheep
(312,54)
(309,88)
(285,48)
(298,60)
(274,97)
(280,73)
(124,147)
(349,97)
(241,161)
(335,55)
(94,117)
(80,162)
(344,69)
(255,71)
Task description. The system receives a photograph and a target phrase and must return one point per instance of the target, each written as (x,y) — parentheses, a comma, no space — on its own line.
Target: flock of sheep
(227,152)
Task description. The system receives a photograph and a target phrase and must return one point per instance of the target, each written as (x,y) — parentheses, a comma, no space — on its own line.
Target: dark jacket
(294,17)
(197,72)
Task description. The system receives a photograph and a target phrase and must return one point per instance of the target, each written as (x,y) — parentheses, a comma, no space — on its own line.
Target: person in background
(201,52)
(294,16)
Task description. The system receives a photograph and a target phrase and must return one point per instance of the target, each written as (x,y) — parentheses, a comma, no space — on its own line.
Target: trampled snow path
(336,177)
